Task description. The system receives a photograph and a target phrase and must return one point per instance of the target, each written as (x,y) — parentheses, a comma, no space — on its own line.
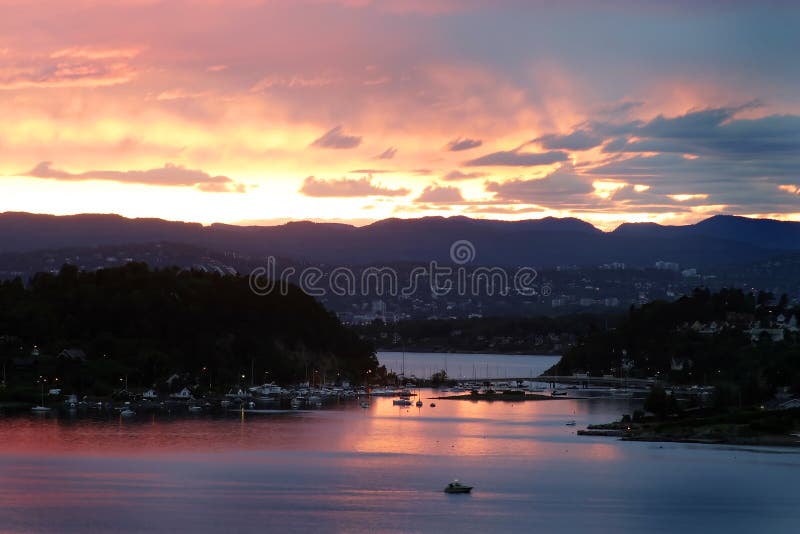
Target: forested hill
(150,324)
(745,344)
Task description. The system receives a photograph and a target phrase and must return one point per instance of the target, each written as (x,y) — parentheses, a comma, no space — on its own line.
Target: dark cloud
(515,158)
(577,140)
(745,186)
(389,153)
(335,138)
(459,144)
(621,108)
(440,195)
(562,187)
(458,175)
(169,175)
(345,187)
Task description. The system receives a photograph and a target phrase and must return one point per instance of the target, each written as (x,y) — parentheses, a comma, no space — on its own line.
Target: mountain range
(548,242)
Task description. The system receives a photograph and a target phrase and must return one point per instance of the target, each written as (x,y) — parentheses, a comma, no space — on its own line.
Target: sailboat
(41,408)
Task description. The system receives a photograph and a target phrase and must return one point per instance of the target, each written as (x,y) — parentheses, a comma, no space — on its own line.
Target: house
(776,334)
(679,364)
(24,362)
(185,393)
(150,394)
(791,403)
(72,355)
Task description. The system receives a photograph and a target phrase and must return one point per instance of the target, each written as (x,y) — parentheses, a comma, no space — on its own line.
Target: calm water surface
(467,366)
(382,469)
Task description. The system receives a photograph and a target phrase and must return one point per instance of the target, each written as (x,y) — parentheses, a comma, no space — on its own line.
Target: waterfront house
(184,393)
(150,394)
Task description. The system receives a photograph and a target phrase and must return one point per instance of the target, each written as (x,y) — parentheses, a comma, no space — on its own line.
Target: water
(382,469)
(467,366)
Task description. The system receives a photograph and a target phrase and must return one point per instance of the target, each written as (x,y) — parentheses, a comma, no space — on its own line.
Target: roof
(73,354)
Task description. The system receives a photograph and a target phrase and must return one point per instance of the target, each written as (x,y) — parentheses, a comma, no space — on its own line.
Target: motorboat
(558,393)
(433,405)
(457,487)
(267,390)
(571,423)
(127,412)
(401,402)
(195,409)
(365,405)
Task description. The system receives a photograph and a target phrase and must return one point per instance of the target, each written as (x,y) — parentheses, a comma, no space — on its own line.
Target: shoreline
(706,430)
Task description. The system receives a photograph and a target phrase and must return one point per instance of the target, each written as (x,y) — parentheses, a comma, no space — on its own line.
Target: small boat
(457,487)
(433,405)
(365,405)
(127,412)
(401,402)
(571,423)
(419,404)
(195,409)
(41,408)
(558,393)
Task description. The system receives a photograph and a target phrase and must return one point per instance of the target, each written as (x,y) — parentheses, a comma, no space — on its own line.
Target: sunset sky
(356,110)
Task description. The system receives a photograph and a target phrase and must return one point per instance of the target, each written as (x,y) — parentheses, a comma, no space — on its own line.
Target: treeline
(506,335)
(705,338)
(147,325)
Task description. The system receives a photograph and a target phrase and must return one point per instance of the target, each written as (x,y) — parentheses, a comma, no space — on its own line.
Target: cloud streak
(170,175)
(457,145)
(347,187)
(517,158)
(337,139)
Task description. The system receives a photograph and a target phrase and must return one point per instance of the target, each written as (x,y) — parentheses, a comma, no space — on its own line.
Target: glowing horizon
(342,110)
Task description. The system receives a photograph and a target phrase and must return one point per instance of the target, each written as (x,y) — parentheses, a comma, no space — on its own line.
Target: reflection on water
(382,469)
(467,366)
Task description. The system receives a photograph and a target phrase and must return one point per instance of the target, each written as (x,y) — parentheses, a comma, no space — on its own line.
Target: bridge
(584,381)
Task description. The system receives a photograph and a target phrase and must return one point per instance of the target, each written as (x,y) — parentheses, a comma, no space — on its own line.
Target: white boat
(41,408)
(267,390)
(571,423)
(365,405)
(127,412)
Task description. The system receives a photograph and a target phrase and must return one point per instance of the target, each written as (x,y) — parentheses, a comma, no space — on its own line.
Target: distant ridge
(536,242)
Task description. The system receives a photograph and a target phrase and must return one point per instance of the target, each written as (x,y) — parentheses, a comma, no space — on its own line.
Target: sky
(263,111)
